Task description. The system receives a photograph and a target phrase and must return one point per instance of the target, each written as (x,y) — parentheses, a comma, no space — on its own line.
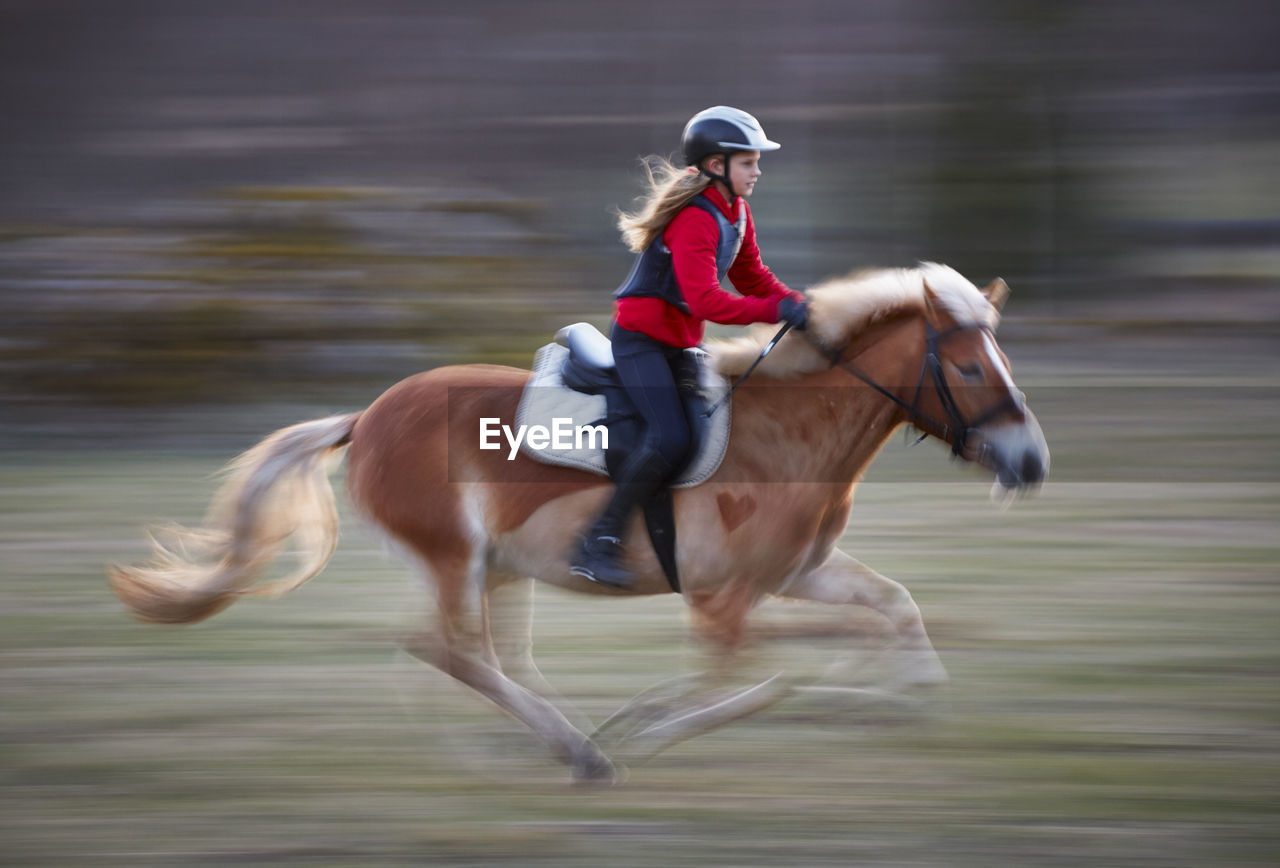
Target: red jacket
(692,237)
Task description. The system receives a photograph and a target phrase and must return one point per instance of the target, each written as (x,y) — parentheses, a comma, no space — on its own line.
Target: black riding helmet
(722,130)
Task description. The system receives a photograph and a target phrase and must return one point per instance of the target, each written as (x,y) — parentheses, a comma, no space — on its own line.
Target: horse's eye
(970,371)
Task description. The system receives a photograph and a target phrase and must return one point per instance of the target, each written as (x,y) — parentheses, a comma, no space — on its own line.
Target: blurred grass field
(1112,644)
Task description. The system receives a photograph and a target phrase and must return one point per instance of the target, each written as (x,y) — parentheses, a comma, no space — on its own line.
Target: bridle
(931,365)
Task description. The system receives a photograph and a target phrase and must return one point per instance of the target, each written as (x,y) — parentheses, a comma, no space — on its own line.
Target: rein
(932,365)
(760,358)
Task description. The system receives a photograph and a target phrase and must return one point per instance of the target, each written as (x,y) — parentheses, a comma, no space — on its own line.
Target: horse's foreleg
(702,711)
(692,705)
(645,708)
(842,580)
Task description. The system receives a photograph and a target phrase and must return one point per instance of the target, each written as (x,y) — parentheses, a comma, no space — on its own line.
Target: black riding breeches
(651,372)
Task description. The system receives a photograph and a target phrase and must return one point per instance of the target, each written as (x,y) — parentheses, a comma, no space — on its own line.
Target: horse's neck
(827,426)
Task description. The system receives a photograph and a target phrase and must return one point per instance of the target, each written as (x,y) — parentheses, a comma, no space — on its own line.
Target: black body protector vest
(652,276)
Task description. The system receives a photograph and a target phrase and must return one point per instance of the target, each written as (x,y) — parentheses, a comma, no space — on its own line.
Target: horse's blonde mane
(844,307)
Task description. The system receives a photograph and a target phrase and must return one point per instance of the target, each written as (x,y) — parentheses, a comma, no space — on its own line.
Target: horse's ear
(997,292)
(929,304)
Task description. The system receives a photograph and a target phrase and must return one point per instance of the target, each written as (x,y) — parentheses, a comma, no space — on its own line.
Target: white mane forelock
(958,297)
(841,308)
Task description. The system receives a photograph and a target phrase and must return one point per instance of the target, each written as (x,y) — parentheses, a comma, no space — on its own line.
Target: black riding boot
(602,556)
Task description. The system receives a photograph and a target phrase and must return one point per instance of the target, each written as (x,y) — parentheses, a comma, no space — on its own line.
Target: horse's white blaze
(997,363)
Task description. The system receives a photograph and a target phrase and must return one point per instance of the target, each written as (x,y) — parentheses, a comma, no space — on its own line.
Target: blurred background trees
(267,201)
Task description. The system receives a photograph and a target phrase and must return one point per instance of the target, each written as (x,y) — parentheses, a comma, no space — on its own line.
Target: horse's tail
(277,490)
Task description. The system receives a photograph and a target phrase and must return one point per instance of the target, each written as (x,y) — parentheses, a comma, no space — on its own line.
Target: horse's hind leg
(448,650)
(508,637)
(567,743)
(843,580)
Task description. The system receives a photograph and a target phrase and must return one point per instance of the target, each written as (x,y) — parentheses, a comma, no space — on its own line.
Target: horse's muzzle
(1017,453)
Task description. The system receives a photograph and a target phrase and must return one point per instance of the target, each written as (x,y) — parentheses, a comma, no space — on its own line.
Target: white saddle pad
(549,403)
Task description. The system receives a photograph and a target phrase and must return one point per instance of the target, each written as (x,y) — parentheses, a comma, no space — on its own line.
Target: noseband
(931,365)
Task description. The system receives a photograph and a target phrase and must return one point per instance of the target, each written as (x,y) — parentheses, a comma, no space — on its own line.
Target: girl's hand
(794,311)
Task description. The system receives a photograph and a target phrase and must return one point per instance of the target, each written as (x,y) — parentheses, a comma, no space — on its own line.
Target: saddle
(575,381)
(575,385)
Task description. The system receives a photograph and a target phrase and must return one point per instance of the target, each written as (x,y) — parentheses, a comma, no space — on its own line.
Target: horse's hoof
(597,771)
(921,670)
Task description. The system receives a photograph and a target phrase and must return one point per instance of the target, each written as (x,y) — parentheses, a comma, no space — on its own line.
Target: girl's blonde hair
(671,187)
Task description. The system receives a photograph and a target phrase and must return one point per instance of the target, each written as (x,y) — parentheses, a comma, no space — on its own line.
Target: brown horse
(883,348)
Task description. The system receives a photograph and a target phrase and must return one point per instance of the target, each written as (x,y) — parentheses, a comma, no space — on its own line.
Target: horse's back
(418,445)
(421,404)
(429,387)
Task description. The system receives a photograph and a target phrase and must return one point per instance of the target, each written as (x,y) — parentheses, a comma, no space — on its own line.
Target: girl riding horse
(693,229)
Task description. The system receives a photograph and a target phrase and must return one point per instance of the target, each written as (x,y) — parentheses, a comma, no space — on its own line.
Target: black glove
(794,311)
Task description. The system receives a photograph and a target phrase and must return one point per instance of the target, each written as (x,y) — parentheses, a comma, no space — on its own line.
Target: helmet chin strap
(723,179)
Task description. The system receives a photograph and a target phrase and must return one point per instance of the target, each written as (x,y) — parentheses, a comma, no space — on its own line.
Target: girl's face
(744,170)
